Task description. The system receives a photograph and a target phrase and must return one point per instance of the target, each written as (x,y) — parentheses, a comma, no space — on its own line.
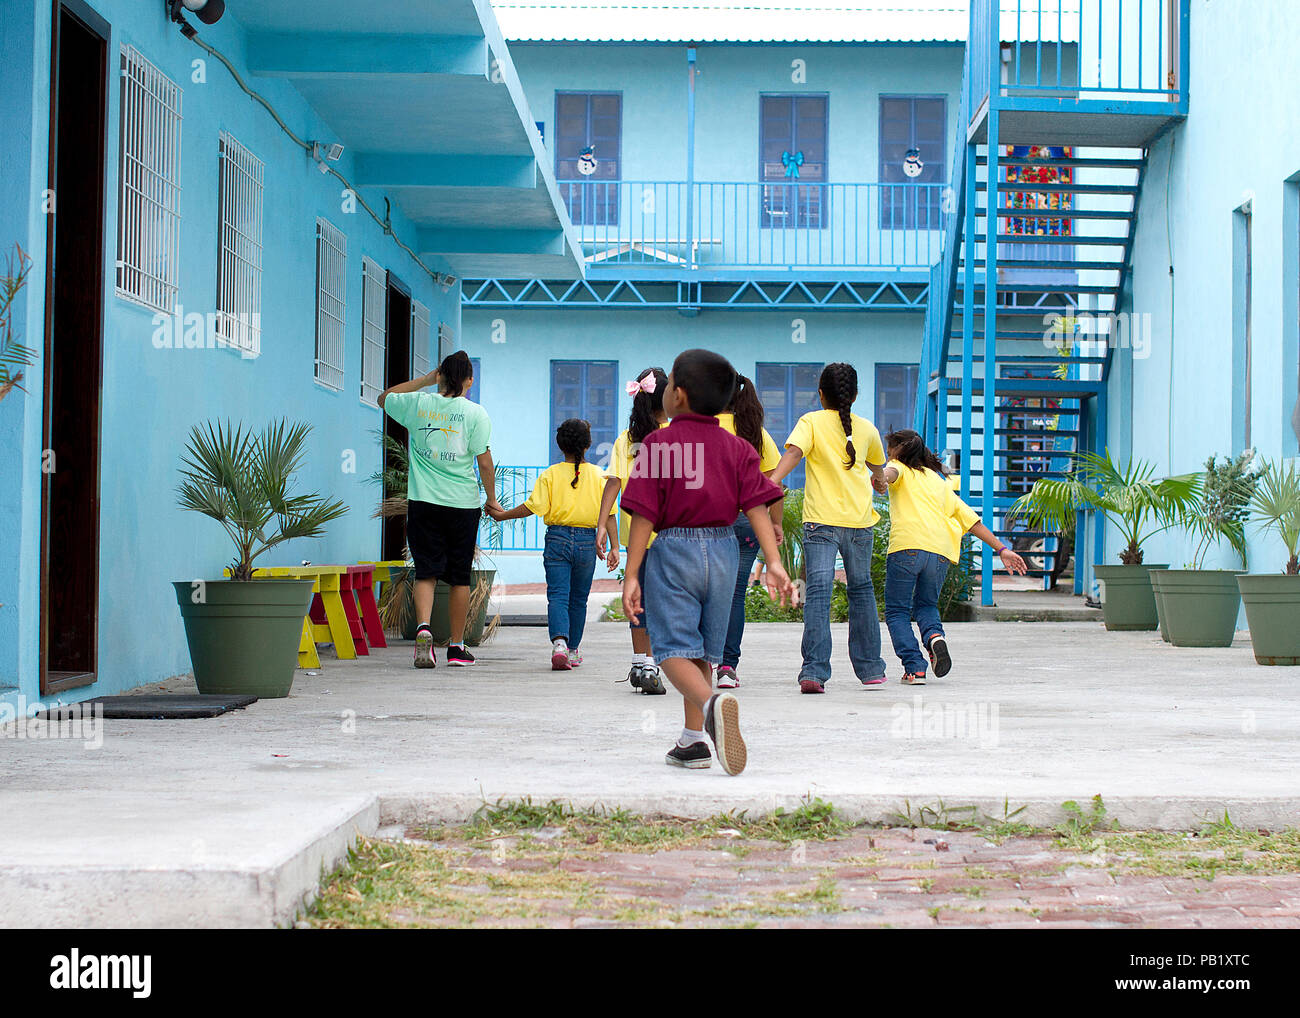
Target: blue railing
(514,485)
(1129,49)
(744,225)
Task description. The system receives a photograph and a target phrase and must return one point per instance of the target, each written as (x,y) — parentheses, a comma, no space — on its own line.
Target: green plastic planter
(1160,610)
(1127,599)
(1198,607)
(1272,611)
(244,635)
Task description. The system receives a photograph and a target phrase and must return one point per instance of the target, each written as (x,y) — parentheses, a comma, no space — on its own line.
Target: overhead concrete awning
(425,97)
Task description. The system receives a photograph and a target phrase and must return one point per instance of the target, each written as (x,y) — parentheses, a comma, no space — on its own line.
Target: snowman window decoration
(587,161)
(912,164)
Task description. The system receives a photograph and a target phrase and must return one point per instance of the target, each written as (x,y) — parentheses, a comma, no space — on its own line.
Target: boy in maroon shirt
(688,483)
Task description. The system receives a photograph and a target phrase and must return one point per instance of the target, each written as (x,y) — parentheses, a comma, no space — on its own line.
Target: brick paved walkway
(869,877)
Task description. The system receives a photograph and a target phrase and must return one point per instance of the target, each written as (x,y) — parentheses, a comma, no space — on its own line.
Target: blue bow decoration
(792,163)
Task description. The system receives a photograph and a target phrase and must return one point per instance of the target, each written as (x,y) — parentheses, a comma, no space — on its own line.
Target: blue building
(769,183)
(266,216)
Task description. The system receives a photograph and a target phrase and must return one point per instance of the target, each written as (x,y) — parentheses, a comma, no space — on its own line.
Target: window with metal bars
(149,219)
(239,247)
(374,330)
(419,339)
(792,161)
(331,302)
(589,121)
(787,392)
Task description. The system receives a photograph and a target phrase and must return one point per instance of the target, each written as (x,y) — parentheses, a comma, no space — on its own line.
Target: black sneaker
(940,660)
(459,656)
(722,723)
(634,676)
(652,683)
(694,756)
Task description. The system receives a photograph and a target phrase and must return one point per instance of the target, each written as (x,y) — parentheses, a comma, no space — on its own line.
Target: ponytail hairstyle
(642,422)
(839,387)
(574,438)
(748,412)
(453,373)
(909,448)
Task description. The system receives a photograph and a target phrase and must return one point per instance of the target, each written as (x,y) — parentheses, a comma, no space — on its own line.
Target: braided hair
(642,422)
(574,438)
(748,411)
(909,448)
(839,388)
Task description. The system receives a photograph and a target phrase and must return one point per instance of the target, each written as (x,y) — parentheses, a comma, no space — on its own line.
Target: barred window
(239,248)
(374,330)
(419,339)
(148,237)
(331,302)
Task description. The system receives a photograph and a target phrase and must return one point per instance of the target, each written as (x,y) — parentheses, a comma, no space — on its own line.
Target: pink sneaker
(560,657)
(811,686)
(879,680)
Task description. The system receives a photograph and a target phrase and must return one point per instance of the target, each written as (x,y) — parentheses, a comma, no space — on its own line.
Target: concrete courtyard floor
(230,821)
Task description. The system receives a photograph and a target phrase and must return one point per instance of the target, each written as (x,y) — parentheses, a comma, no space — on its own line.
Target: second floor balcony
(719,229)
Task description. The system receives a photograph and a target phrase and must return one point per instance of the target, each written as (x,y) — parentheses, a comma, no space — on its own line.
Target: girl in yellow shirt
(744,419)
(926,524)
(567,498)
(647,415)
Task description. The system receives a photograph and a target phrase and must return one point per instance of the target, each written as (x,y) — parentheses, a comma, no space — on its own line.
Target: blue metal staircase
(1052,162)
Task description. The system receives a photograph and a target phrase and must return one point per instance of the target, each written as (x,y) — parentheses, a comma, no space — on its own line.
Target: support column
(990,443)
(690,157)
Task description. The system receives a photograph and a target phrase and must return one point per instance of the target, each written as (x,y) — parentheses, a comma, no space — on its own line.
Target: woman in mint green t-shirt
(447,434)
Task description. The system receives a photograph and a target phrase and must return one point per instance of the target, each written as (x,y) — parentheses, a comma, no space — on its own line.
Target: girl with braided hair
(567,498)
(647,417)
(844,455)
(926,524)
(744,419)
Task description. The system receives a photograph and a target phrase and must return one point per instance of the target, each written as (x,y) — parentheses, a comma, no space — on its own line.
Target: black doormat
(156,707)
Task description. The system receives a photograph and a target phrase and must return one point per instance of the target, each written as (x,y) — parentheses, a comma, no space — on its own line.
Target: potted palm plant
(1136,503)
(1273,599)
(1198,607)
(243,636)
(14,356)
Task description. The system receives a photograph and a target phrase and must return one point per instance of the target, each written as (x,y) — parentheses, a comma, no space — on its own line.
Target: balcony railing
(738,225)
(1086,49)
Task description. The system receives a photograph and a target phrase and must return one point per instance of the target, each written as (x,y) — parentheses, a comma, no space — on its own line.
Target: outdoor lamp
(207,11)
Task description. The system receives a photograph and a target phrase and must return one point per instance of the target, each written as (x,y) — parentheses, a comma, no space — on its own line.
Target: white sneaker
(575,659)
(560,656)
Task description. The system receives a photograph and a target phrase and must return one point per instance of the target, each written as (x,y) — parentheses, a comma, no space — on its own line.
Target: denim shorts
(692,571)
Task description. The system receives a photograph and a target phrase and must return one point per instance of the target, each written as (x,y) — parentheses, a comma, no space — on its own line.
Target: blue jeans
(913,580)
(692,571)
(569,557)
(821,543)
(748,552)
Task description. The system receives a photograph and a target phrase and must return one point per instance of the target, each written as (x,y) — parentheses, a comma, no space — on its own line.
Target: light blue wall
(515,374)
(151,397)
(653,82)
(1234,144)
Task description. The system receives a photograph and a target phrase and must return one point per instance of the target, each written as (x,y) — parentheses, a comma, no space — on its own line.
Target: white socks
(690,738)
(644,660)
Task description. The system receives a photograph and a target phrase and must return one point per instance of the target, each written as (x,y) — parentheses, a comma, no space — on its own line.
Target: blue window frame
(895,396)
(587,390)
(793,128)
(787,391)
(474,390)
(920,123)
(589,120)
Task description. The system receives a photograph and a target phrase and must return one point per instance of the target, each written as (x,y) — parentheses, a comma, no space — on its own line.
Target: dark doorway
(397,368)
(74,349)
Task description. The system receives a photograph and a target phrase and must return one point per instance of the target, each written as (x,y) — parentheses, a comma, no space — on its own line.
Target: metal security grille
(239,251)
(446,341)
(148,238)
(331,302)
(374,331)
(419,339)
